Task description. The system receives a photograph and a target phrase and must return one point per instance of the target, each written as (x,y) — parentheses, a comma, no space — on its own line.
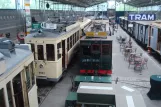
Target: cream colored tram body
(17,80)
(53,51)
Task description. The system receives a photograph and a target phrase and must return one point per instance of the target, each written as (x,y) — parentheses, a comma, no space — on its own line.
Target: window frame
(109,49)
(3,95)
(68,43)
(71,42)
(59,55)
(73,39)
(10,99)
(53,57)
(33,49)
(42,52)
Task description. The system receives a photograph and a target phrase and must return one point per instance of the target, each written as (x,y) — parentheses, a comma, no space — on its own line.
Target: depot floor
(137,80)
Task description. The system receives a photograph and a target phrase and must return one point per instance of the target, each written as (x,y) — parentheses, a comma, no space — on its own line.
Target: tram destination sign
(141,17)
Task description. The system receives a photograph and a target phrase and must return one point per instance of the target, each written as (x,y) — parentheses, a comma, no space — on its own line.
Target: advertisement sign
(141,17)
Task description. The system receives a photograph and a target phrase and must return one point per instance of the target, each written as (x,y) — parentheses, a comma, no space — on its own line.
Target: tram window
(141,30)
(95,48)
(33,49)
(86,50)
(71,42)
(50,50)
(73,39)
(32,73)
(58,46)
(9,93)
(106,49)
(152,32)
(28,82)
(77,35)
(2,98)
(68,44)
(40,52)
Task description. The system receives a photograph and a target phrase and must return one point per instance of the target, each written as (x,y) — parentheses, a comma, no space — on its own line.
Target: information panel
(142,17)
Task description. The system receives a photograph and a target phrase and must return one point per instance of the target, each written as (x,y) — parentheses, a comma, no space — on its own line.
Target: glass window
(77,35)
(50,52)
(152,31)
(106,49)
(2,99)
(8,4)
(71,42)
(33,49)
(58,47)
(68,44)
(28,82)
(9,93)
(40,51)
(73,39)
(86,50)
(32,73)
(95,48)
(141,29)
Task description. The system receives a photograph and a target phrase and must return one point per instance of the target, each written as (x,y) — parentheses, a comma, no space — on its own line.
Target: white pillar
(6,96)
(12,91)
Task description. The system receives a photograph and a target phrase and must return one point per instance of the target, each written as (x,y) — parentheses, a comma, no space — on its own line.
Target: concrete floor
(135,79)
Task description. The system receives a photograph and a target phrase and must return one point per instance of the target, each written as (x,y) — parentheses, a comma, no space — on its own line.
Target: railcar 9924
(54,50)
(94,86)
(17,75)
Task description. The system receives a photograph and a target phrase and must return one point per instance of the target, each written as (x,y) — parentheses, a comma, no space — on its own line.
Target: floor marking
(127,88)
(130,101)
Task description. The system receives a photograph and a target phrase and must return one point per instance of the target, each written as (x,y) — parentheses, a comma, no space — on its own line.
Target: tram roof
(15,59)
(46,34)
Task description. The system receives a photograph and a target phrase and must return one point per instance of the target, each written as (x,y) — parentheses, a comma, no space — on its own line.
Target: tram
(93,87)
(53,50)
(146,33)
(96,51)
(17,75)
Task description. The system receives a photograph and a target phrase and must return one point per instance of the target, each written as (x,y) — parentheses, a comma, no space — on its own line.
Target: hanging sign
(21,36)
(141,17)
(28,16)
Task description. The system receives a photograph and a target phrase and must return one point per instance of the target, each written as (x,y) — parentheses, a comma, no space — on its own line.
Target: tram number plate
(42,73)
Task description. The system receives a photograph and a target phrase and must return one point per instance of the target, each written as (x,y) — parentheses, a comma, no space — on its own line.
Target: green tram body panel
(96,54)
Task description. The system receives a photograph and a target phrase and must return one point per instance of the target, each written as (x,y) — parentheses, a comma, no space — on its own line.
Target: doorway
(63,55)
(18,93)
(159,40)
(150,34)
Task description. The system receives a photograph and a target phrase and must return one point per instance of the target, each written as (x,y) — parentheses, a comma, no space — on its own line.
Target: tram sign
(36,26)
(141,17)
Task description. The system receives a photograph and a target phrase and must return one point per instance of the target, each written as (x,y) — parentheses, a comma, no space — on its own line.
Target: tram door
(63,54)
(159,40)
(18,93)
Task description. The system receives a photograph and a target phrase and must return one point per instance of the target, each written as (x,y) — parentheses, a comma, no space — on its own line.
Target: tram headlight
(41,66)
